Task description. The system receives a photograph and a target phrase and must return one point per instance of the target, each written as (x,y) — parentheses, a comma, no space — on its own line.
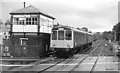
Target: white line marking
(14,65)
(62,64)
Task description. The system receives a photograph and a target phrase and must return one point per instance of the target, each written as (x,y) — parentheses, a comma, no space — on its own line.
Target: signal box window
(68,35)
(16,21)
(31,21)
(54,35)
(60,35)
(25,21)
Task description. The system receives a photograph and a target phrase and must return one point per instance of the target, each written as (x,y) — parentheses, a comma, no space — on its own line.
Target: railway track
(86,57)
(65,62)
(47,60)
(68,60)
(32,64)
(96,61)
(71,62)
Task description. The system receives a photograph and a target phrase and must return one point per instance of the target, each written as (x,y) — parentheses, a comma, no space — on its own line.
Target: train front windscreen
(62,35)
(54,35)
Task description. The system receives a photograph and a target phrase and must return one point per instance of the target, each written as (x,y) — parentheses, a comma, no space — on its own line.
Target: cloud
(93,14)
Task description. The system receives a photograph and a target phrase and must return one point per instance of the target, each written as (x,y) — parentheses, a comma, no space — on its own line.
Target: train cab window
(54,35)
(60,35)
(68,35)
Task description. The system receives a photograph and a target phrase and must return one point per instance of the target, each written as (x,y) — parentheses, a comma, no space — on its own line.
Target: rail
(70,61)
(96,61)
(85,58)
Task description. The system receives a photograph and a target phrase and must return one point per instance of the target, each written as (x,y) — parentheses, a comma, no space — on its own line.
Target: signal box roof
(30,10)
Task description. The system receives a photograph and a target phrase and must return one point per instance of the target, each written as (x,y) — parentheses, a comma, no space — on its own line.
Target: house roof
(30,10)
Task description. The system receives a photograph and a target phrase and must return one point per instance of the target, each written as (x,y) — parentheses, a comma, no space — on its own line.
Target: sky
(96,15)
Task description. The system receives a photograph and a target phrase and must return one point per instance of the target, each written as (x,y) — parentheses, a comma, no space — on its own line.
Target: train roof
(79,30)
(30,10)
(89,33)
(71,28)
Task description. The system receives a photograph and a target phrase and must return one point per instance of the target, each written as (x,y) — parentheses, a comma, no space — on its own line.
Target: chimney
(24,4)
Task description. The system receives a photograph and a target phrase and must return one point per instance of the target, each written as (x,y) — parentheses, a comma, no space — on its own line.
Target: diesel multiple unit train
(66,41)
(32,36)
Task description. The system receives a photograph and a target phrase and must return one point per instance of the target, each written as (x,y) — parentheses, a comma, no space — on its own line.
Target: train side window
(54,35)
(60,35)
(68,35)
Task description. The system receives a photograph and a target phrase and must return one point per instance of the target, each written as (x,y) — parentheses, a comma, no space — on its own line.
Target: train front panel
(62,39)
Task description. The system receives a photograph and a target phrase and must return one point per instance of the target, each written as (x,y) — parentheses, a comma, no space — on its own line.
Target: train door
(24,50)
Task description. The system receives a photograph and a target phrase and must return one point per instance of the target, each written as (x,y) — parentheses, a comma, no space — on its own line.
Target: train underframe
(68,52)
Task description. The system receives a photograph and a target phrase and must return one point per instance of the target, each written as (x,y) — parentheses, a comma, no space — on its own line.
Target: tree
(90,31)
(85,29)
(78,28)
(7,22)
(116,32)
(97,35)
(1,22)
(108,35)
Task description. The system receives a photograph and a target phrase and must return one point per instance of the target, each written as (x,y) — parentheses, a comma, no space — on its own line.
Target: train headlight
(68,47)
(52,49)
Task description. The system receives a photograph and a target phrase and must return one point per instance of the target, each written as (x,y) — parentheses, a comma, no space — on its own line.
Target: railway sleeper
(63,53)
